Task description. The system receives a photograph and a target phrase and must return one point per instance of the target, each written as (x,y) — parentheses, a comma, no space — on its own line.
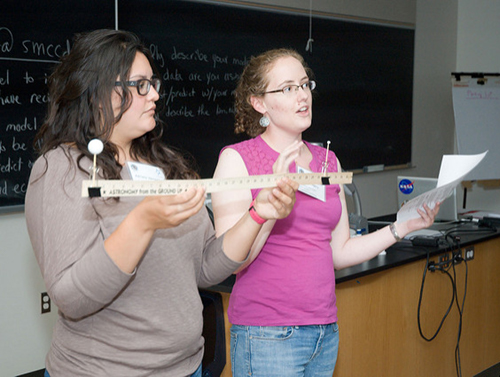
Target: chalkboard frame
(378,66)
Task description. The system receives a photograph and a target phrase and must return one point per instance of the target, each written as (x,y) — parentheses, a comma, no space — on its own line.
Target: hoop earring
(264,121)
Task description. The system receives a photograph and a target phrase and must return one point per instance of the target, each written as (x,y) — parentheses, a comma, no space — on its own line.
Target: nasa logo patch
(406,186)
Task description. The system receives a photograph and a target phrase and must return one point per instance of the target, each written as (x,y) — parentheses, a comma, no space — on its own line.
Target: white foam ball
(95,146)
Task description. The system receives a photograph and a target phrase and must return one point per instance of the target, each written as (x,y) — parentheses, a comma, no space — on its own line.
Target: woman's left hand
(426,219)
(277,202)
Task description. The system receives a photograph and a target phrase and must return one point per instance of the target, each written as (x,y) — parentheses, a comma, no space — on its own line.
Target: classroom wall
(386,10)
(450,35)
(435,43)
(24,332)
(478,50)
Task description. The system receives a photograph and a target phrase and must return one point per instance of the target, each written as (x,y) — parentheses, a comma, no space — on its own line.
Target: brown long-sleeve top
(111,323)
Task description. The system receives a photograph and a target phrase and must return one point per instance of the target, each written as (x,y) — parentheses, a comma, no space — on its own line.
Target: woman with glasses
(124,272)
(282,307)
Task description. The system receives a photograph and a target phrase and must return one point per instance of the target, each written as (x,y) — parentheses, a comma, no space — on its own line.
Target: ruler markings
(113,188)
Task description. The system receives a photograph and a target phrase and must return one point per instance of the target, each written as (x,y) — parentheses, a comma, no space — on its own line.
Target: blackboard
(363,102)
(33,35)
(364,74)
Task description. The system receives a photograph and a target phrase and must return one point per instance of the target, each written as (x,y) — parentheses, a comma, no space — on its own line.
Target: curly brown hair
(80,107)
(253,82)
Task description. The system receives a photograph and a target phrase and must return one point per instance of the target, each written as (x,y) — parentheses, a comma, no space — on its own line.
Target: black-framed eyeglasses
(143,85)
(307,86)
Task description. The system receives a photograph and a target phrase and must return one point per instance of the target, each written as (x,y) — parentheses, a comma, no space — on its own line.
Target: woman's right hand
(286,157)
(168,211)
(127,244)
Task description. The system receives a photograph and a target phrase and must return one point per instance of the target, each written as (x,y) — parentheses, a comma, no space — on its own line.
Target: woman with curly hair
(282,307)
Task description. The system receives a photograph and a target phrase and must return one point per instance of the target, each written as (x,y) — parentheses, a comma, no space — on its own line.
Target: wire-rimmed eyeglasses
(307,86)
(143,86)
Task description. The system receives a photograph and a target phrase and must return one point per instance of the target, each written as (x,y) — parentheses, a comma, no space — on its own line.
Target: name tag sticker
(144,172)
(316,191)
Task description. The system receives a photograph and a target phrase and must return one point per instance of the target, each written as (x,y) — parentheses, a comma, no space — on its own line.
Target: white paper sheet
(453,169)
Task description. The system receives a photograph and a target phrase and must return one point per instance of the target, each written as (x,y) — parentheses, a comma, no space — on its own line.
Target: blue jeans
(291,351)
(195,374)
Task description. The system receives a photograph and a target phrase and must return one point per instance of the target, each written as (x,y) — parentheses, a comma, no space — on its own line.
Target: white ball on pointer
(95,146)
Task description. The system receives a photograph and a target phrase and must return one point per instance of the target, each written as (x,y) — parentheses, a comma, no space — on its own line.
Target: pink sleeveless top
(292,281)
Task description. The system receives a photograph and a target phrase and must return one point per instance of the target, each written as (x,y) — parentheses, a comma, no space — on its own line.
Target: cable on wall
(310,41)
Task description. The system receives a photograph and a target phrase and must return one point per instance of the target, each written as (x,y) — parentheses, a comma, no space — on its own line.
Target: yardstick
(114,188)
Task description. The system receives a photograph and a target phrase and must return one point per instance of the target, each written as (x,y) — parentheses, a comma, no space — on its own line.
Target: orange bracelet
(254,215)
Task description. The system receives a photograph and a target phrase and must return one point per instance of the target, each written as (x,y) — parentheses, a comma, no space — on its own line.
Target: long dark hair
(80,107)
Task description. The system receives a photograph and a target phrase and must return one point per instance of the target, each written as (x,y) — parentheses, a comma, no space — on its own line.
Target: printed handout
(453,169)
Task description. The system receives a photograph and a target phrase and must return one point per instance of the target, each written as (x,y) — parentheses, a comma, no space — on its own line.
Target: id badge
(144,172)
(316,191)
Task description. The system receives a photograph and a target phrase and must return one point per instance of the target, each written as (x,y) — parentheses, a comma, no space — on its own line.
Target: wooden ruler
(113,188)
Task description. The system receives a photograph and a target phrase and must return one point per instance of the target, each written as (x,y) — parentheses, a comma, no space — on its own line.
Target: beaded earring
(264,121)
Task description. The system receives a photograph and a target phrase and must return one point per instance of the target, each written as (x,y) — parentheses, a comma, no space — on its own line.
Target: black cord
(451,242)
(433,268)
(458,231)
(454,244)
(458,365)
